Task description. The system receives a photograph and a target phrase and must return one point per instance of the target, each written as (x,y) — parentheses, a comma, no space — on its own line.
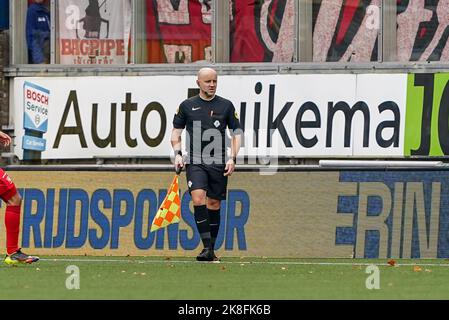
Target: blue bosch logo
(35,119)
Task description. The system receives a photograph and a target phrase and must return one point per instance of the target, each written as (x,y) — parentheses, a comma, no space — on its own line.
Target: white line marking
(249,262)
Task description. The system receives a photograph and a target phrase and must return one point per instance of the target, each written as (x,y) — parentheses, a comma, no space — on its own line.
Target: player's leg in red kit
(13,201)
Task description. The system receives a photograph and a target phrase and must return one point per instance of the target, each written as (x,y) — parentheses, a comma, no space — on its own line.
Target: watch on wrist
(178,152)
(234,159)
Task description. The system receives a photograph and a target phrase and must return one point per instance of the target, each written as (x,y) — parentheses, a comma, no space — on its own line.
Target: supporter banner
(346,30)
(421,33)
(262,31)
(178,31)
(283,115)
(91,32)
(371,214)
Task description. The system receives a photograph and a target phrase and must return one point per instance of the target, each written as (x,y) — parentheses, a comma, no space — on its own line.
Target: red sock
(12,223)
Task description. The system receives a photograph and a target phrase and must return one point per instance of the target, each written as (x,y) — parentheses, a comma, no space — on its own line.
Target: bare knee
(213,204)
(199,197)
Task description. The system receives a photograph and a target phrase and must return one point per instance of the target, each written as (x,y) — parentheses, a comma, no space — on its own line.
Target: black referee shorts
(207,177)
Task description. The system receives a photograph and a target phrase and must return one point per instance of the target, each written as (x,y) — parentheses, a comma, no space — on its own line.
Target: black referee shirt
(206,123)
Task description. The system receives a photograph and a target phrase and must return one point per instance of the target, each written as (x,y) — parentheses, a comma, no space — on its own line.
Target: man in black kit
(206,117)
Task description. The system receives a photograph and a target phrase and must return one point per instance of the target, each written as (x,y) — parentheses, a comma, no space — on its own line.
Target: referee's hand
(179,163)
(229,169)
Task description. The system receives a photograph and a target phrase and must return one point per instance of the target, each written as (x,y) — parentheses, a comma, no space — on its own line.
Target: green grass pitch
(234,278)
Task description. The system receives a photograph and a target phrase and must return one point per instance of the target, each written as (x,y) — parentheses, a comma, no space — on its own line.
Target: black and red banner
(178,31)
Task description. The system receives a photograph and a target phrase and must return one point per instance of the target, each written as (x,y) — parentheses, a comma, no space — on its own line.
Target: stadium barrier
(306,212)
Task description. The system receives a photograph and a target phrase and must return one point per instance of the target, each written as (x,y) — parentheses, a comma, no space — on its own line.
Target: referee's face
(207,81)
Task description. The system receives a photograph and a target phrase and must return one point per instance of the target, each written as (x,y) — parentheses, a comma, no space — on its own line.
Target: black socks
(208,224)
(214,218)
(203,224)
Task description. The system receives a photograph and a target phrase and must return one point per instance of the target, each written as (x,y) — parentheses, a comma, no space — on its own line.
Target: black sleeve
(232,118)
(179,120)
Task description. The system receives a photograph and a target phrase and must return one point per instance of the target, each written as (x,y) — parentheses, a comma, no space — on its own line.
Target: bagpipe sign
(93,32)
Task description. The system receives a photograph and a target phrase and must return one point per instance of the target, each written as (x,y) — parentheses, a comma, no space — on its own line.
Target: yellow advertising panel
(310,214)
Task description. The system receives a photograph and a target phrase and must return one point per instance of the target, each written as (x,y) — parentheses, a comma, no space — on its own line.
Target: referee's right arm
(176,145)
(176,139)
(179,122)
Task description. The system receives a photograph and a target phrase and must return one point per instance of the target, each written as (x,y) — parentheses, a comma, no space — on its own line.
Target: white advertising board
(291,115)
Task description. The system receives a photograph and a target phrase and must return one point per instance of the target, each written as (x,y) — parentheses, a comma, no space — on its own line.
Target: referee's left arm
(236,140)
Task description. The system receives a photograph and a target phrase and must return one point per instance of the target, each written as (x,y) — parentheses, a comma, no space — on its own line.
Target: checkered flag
(170,210)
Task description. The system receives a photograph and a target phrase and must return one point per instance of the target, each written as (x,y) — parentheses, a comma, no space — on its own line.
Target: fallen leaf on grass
(417,269)
(392,262)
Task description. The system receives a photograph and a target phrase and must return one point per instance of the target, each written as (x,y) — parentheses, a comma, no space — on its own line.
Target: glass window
(262,31)
(4,14)
(37,32)
(94,32)
(422,30)
(346,30)
(178,31)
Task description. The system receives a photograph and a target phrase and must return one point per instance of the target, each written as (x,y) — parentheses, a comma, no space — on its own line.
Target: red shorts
(7,187)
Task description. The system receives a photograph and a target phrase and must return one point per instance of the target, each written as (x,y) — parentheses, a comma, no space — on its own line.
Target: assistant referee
(206,118)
